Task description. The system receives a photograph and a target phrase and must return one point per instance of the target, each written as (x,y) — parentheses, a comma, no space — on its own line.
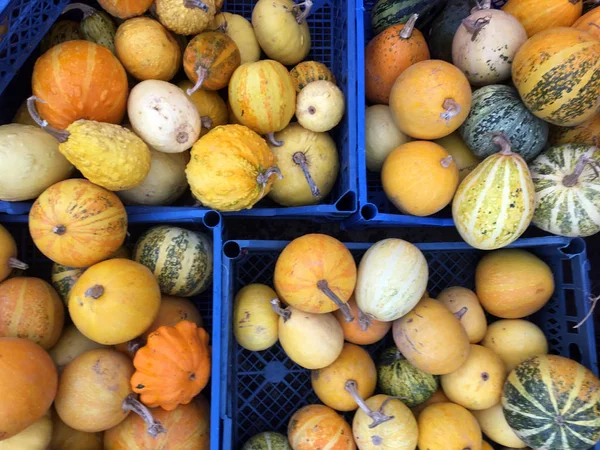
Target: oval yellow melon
(255,324)
(36,436)
(513,283)
(515,340)
(465,305)
(477,384)
(70,345)
(432,338)
(446,426)
(494,425)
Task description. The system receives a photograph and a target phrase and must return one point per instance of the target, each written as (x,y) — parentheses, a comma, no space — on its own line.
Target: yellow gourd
(255,324)
(70,345)
(466,307)
(185,17)
(447,426)
(320,106)
(211,107)
(36,436)
(494,425)
(242,33)
(462,155)
(8,255)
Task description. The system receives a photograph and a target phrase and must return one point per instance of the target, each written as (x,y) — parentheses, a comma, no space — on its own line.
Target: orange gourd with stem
(318,426)
(8,255)
(540,15)
(364,330)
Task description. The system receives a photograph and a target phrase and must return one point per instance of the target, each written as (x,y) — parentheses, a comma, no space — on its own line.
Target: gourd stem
(300,159)
(475,26)
(87,10)
(274,142)
(135,344)
(323,286)
(594,301)
(60,135)
(461,312)
(585,159)
(483,5)
(263,178)
(202,74)
(574,2)
(59,229)
(363,320)
(154,426)
(446,161)
(284,313)
(409,27)
(223,27)
(16,264)
(206,122)
(452,109)
(304,14)
(502,141)
(378,416)
(95,292)
(191,4)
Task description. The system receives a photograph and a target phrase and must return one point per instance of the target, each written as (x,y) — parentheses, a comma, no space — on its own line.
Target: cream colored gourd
(281,30)
(242,33)
(392,278)
(164,183)
(163,116)
(476,48)
(309,164)
(320,106)
(29,162)
(255,324)
(70,345)
(465,305)
(312,341)
(36,436)
(382,136)
(494,425)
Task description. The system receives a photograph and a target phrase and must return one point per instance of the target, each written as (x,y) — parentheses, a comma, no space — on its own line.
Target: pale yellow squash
(242,33)
(255,324)
(494,425)
(465,305)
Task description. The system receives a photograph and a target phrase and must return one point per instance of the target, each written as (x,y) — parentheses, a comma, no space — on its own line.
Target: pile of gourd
(501,121)
(125,105)
(70,381)
(450,375)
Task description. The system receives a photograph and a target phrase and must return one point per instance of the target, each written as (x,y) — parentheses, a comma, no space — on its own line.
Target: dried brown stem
(583,161)
(452,109)
(60,135)
(87,10)
(274,142)
(363,320)
(16,264)
(132,404)
(300,159)
(446,161)
(461,312)
(594,301)
(59,229)
(378,416)
(301,16)
(95,292)
(206,122)
(191,4)
(502,141)
(202,74)
(409,27)
(323,286)
(475,26)
(285,314)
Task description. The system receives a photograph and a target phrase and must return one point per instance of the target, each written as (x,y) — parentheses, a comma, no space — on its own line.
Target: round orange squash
(79,80)
(430,99)
(354,363)
(30,308)
(188,429)
(446,426)
(114,301)
(540,15)
(316,273)
(584,133)
(389,54)
(464,304)
(513,283)
(8,255)
(362,330)
(76,223)
(28,383)
(419,178)
(124,9)
(589,22)
(318,426)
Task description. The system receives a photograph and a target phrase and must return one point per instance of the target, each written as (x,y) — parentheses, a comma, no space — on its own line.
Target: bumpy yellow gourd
(185,17)
(231,168)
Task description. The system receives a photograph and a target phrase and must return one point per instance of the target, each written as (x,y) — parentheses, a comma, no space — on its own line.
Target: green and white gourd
(267,441)
(399,378)
(498,108)
(96,26)
(567,190)
(181,260)
(386,13)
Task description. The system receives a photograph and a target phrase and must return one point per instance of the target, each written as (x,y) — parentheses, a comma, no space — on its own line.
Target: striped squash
(552,402)
(584,133)
(540,15)
(387,13)
(590,22)
(267,440)
(567,190)
(309,71)
(318,426)
(181,260)
(557,73)
(494,204)
(498,108)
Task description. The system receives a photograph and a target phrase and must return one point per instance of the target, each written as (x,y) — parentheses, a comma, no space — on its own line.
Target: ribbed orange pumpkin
(210,59)
(8,254)
(540,15)
(590,22)
(188,428)
(30,308)
(124,9)
(318,426)
(79,80)
(76,223)
(388,55)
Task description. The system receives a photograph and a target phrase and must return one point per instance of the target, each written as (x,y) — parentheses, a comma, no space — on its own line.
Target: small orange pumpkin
(590,22)
(209,60)
(316,273)
(318,426)
(30,308)
(540,15)
(173,367)
(124,9)
(309,71)
(8,255)
(76,223)
(79,80)
(363,330)
(388,55)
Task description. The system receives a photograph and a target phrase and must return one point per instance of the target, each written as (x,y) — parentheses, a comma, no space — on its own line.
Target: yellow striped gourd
(494,204)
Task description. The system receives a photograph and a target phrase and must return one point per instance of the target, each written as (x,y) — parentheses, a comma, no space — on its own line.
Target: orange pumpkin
(30,308)
(173,367)
(309,71)
(363,330)
(79,80)
(590,22)
(76,223)
(316,273)
(8,255)
(124,9)
(188,429)
(388,55)
(540,15)
(28,379)
(318,426)
(420,178)
(584,133)
(430,99)
(209,60)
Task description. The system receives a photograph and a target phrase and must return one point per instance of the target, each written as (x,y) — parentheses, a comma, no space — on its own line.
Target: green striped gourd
(494,204)
(444,26)
(553,403)
(180,259)
(567,190)
(267,441)
(399,378)
(498,108)
(96,26)
(386,13)
(63,279)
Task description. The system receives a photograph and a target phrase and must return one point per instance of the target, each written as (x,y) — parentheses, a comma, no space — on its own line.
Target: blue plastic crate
(331,24)
(261,390)
(208,303)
